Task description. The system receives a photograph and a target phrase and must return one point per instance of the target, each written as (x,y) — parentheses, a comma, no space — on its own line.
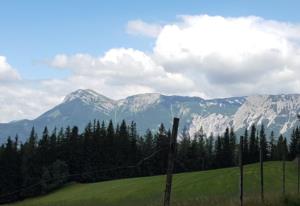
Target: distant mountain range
(276,112)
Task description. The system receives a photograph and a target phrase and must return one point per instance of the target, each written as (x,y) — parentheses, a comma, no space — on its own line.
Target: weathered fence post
(261,156)
(171,159)
(241,170)
(298,160)
(283,167)
(298,165)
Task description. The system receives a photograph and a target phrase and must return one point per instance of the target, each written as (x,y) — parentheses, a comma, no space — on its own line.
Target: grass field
(214,187)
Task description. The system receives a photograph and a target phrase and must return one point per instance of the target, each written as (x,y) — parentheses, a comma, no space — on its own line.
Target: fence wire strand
(139,163)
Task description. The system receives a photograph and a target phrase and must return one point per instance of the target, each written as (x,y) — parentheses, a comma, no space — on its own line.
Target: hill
(214,187)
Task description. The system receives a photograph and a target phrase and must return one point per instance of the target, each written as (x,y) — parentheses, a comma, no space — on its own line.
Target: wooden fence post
(298,160)
(241,170)
(261,156)
(283,167)
(171,159)
(298,157)
(298,165)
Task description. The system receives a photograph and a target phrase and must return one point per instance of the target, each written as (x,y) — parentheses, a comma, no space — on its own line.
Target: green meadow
(213,187)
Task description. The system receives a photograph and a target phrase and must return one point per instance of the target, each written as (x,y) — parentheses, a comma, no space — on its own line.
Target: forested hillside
(105,152)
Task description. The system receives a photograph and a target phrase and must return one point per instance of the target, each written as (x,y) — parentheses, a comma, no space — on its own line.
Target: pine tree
(246,156)
(293,145)
(227,158)
(280,147)
(149,144)
(30,165)
(10,172)
(253,145)
(109,153)
(74,154)
(263,142)
(134,154)
(201,151)
(232,141)
(209,148)
(297,133)
(161,140)
(97,148)
(272,148)
(53,146)
(88,153)
(61,145)
(123,145)
(219,152)
(183,150)
(45,180)
(147,150)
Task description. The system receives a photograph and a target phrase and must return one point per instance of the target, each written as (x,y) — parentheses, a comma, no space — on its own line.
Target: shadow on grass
(270,200)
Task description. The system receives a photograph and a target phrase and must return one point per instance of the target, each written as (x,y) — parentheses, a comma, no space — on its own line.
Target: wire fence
(98,171)
(211,186)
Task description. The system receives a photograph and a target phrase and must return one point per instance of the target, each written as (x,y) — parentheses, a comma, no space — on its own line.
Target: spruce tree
(232,141)
(30,165)
(161,140)
(219,155)
(201,151)
(147,150)
(246,156)
(253,145)
(293,145)
(10,164)
(263,142)
(272,147)
(209,148)
(227,158)
(183,150)
(280,147)
(74,155)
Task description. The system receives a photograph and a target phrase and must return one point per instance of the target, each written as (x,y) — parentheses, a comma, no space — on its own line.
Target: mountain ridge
(277,112)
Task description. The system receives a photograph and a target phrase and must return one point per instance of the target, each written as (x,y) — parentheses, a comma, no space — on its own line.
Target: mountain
(276,112)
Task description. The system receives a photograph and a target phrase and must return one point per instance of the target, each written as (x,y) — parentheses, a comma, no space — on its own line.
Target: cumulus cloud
(121,68)
(139,27)
(6,71)
(23,99)
(213,56)
(207,56)
(232,56)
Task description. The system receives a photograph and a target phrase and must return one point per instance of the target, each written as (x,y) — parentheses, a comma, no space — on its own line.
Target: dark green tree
(272,147)
(246,155)
(263,142)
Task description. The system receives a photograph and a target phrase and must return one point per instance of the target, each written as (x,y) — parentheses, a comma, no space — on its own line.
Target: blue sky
(33,31)
(211,49)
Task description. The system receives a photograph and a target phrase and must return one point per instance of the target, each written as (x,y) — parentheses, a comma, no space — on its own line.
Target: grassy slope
(195,188)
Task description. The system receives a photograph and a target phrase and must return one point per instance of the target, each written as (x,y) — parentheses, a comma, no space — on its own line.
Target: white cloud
(119,69)
(22,99)
(209,56)
(6,71)
(232,56)
(139,27)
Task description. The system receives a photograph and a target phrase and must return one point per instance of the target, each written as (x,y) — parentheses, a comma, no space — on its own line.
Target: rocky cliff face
(276,112)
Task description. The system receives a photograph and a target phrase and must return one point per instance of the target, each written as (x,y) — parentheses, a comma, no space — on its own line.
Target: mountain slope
(277,112)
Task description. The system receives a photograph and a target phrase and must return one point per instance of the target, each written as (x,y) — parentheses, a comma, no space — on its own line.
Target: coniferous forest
(106,151)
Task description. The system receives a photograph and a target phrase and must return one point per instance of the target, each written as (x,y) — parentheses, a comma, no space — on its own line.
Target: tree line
(104,152)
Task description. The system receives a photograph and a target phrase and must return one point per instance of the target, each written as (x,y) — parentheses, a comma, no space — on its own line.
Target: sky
(210,48)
